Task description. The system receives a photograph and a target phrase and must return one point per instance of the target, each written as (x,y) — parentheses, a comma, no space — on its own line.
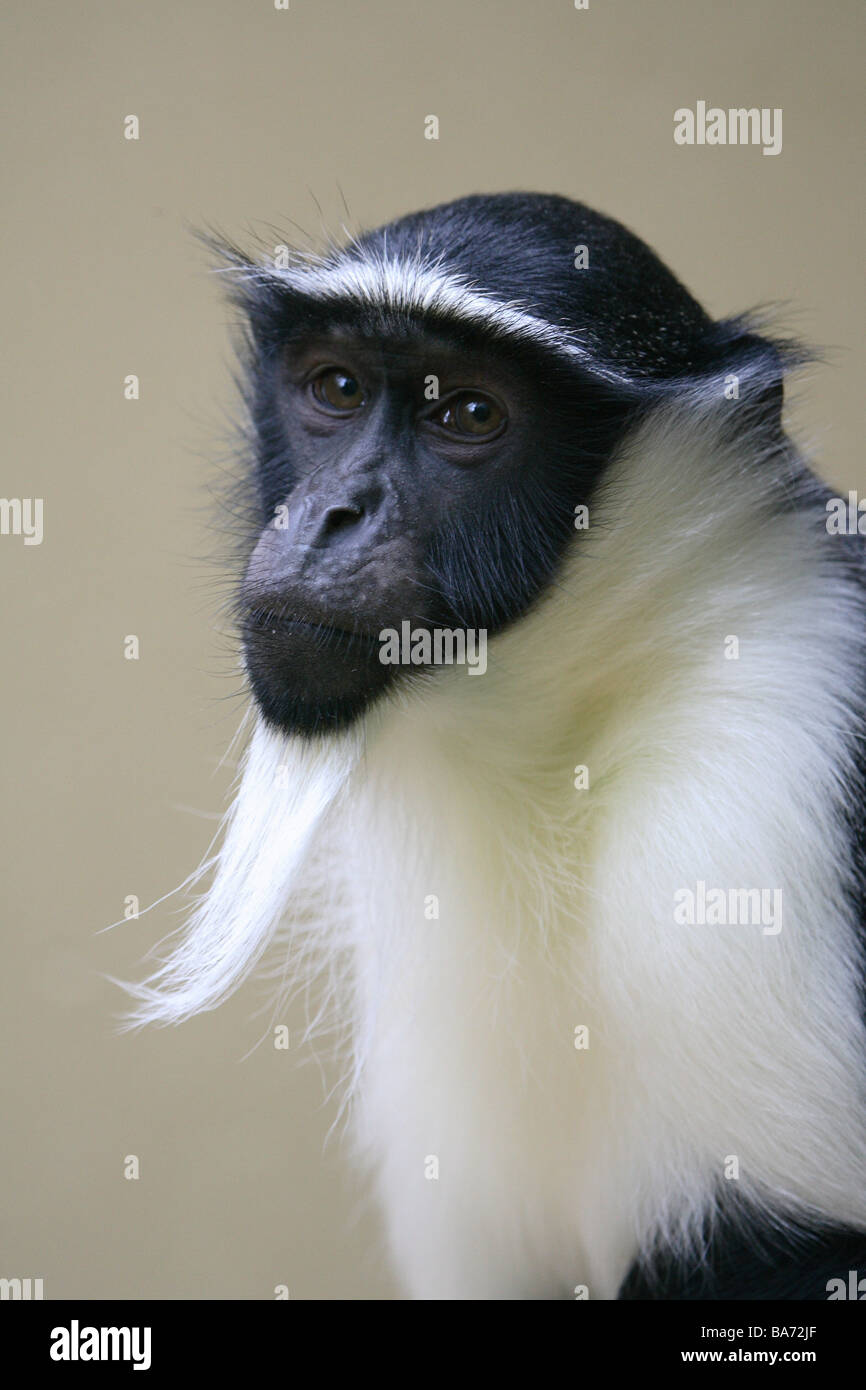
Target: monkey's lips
(277,625)
(309,675)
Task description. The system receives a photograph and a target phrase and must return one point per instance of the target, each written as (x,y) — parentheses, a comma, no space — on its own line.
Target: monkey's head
(430,408)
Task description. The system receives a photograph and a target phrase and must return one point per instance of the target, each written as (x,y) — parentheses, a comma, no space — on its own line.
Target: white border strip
(408,285)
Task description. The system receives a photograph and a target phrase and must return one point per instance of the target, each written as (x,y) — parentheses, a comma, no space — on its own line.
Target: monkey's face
(431,405)
(407,480)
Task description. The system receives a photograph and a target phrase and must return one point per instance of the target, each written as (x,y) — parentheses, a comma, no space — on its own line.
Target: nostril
(338,519)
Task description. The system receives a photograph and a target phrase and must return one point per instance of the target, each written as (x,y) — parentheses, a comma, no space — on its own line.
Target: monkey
(594,917)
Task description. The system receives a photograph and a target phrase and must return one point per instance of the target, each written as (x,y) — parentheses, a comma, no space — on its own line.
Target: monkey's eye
(470,414)
(338,390)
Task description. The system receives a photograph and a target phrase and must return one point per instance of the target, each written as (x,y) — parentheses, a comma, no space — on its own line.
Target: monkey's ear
(749,368)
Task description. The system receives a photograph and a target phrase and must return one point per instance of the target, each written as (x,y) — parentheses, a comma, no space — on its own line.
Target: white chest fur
(476,907)
(497,908)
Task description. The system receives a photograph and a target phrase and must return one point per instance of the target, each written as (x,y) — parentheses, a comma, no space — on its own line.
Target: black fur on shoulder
(746,1260)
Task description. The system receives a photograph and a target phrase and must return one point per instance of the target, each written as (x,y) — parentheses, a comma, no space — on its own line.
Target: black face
(409,479)
(376,503)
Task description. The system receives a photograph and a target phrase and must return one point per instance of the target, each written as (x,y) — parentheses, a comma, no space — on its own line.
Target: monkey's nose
(336,522)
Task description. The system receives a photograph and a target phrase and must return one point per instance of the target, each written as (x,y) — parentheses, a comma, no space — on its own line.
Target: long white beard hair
(287,786)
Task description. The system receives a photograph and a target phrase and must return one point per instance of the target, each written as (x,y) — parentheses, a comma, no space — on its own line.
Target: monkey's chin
(310,679)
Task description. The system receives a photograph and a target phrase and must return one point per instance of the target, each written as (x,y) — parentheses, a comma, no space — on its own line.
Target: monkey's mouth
(309,675)
(276,624)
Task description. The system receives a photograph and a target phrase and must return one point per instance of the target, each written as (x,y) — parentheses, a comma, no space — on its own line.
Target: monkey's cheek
(309,679)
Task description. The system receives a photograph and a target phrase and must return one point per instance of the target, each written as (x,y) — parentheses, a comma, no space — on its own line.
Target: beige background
(249,117)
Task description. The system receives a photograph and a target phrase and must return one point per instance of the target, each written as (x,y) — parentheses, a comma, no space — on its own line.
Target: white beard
(286,788)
